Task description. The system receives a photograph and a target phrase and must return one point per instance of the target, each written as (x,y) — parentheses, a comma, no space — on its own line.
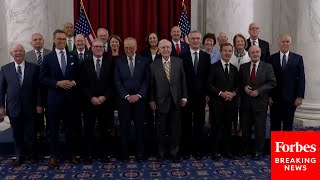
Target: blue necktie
(80,58)
(19,75)
(63,63)
(284,62)
(98,66)
(39,58)
(131,67)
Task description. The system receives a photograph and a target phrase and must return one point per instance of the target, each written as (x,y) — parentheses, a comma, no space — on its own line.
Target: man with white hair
(20,100)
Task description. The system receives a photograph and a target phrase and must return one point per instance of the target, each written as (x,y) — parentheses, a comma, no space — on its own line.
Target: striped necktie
(167,69)
(39,58)
(19,75)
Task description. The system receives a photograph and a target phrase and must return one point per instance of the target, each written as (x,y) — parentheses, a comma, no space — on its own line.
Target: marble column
(25,18)
(308,45)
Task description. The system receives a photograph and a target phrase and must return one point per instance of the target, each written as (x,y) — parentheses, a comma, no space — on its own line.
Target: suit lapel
(125,64)
(26,73)
(13,73)
(91,68)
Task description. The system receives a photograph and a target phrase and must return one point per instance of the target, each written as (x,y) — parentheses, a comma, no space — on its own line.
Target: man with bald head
(289,93)
(256,80)
(179,48)
(20,99)
(254,31)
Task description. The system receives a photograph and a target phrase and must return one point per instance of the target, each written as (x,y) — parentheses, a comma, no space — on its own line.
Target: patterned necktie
(98,67)
(253,73)
(39,58)
(63,63)
(131,66)
(80,58)
(178,49)
(226,71)
(284,62)
(196,62)
(254,42)
(167,69)
(19,75)
(69,45)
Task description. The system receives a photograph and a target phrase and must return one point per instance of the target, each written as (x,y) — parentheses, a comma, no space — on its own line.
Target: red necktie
(253,73)
(178,49)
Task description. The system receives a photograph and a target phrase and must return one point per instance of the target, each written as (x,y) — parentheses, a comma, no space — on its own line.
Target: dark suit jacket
(87,55)
(90,84)
(218,81)
(183,49)
(13,97)
(127,85)
(264,82)
(163,92)
(32,57)
(146,52)
(291,81)
(264,46)
(50,73)
(197,83)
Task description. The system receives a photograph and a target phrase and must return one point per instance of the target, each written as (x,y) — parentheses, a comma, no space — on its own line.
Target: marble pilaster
(308,44)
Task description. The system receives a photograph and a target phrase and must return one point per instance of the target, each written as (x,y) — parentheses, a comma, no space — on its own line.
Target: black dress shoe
(34,159)
(231,156)
(105,159)
(18,161)
(160,158)
(87,160)
(73,159)
(198,156)
(186,156)
(53,162)
(256,156)
(124,158)
(216,157)
(140,158)
(175,159)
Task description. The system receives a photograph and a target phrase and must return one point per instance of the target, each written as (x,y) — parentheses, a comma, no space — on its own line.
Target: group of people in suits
(167,86)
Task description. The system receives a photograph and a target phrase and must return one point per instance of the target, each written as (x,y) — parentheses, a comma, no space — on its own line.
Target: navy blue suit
(20,103)
(184,49)
(127,85)
(193,114)
(290,85)
(61,103)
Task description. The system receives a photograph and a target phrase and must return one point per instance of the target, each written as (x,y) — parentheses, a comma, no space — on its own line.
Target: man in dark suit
(132,76)
(96,81)
(196,66)
(254,31)
(289,93)
(80,51)
(179,48)
(20,98)
(36,56)
(256,80)
(223,88)
(103,34)
(59,73)
(168,93)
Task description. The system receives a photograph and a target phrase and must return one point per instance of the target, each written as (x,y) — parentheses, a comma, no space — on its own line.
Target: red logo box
(295,155)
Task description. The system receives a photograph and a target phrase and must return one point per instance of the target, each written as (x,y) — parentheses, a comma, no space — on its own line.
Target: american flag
(184,25)
(83,27)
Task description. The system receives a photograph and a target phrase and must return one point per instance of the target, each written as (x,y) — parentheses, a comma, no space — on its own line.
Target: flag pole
(84,10)
(183,5)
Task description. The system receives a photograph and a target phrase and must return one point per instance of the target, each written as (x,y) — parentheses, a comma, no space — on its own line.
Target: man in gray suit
(256,80)
(168,93)
(38,52)
(36,56)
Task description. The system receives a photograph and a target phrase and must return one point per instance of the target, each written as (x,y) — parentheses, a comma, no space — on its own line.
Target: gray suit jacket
(163,92)
(265,80)
(32,57)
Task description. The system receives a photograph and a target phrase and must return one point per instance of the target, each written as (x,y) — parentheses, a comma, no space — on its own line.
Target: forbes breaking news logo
(295,154)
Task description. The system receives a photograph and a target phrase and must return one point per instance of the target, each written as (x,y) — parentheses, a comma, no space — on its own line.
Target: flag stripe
(83,27)
(184,25)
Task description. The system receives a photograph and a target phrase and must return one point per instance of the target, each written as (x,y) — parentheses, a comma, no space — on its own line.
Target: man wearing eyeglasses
(59,73)
(96,81)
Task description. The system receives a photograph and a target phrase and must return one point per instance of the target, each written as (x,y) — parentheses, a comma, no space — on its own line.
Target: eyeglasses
(61,39)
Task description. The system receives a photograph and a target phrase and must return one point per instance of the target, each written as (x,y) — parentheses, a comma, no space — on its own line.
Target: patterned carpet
(243,168)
